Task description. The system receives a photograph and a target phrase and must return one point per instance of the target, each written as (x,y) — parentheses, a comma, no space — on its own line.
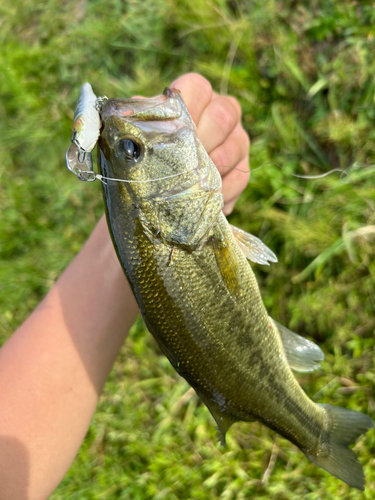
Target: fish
(189,271)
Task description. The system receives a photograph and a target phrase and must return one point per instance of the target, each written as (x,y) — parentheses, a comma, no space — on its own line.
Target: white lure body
(85,133)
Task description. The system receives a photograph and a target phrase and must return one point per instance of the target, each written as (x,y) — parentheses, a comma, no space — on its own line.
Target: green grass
(304,75)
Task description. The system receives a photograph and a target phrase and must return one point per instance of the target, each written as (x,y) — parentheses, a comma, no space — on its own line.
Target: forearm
(53,369)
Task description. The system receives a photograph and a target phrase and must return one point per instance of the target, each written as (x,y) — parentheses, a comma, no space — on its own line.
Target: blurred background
(303,72)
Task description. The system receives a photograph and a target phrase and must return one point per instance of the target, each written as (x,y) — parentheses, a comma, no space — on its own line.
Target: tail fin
(342,428)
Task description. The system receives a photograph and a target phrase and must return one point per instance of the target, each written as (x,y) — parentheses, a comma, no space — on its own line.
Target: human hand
(218,121)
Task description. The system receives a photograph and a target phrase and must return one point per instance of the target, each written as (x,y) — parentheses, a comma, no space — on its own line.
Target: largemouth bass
(197,293)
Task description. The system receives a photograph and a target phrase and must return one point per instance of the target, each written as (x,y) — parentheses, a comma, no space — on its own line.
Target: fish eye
(130,148)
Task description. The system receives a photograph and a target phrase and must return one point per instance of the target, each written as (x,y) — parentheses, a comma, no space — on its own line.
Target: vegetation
(304,74)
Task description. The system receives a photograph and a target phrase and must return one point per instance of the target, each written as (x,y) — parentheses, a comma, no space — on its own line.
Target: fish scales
(196,333)
(196,290)
(192,315)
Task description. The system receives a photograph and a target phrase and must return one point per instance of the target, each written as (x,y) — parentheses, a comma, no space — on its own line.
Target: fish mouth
(168,106)
(129,106)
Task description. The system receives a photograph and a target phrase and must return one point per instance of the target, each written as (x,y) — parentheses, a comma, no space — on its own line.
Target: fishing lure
(86,129)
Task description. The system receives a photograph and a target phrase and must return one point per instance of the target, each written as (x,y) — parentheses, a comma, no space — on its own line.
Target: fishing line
(319,176)
(101,177)
(343,172)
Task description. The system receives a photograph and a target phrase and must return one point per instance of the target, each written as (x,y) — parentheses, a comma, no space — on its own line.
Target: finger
(232,151)
(234,183)
(196,92)
(218,120)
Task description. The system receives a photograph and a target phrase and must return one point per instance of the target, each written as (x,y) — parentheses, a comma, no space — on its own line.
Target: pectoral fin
(302,354)
(227,262)
(252,247)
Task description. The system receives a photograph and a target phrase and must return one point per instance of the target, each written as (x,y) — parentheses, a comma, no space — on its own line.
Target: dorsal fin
(252,247)
(302,354)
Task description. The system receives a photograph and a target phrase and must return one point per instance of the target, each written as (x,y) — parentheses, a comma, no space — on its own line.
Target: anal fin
(222,418)
(223,423)
(302,354)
